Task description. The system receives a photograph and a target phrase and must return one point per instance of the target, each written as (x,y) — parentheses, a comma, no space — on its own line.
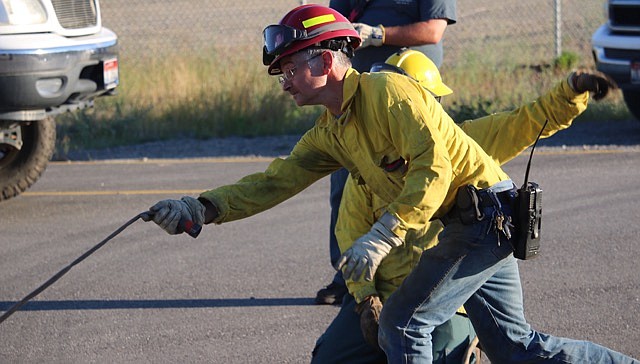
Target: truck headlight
(22,12)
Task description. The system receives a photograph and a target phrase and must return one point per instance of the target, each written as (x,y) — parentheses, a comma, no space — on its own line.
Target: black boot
(331,294)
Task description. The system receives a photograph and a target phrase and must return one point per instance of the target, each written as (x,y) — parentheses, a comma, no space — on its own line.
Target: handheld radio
(528,214)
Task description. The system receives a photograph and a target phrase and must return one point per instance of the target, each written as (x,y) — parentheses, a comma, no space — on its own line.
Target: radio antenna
(526,175)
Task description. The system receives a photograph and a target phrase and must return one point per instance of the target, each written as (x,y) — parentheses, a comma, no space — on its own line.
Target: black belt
(505,197)
(470,213)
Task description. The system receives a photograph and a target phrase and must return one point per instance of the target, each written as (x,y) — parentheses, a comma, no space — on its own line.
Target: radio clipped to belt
(528,215)
(526,211)
(526,241)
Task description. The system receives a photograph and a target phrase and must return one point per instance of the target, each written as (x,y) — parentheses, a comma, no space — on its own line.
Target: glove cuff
(367,301)
(573,77)
(195,208)
(211,211)
(389,221)
(386,225)
(384,33)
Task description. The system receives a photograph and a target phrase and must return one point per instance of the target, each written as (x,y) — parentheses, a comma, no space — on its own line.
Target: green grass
(204,97)
(481,88)
(187,97)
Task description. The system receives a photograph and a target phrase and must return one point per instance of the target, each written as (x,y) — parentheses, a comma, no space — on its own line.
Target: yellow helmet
(417,66)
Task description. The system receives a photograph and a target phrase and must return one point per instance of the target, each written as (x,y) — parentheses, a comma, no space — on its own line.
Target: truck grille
(625,54)
(622,15)
(76,14)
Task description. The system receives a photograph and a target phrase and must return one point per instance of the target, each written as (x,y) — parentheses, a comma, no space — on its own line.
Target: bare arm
(424,32)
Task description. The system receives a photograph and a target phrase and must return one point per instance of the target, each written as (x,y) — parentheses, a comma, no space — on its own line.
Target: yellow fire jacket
(393,136)
(503,136)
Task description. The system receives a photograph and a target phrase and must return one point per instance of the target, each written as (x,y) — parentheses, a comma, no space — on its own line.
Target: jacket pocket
(394,166)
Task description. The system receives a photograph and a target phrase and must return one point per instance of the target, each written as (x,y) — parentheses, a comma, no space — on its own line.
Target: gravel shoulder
(580,136)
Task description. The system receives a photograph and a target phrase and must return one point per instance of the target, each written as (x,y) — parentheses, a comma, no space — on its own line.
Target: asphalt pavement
(243,291)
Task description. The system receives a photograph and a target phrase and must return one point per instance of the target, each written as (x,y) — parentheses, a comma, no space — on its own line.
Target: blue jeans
(343,343)
(338,180)
(474,265)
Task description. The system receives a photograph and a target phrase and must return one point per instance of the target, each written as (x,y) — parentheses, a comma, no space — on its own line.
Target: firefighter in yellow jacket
(503,136)
(372,124)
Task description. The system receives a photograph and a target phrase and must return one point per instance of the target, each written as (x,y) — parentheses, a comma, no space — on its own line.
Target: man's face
(302,77)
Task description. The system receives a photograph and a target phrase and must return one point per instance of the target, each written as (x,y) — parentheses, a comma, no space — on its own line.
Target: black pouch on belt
(468,205)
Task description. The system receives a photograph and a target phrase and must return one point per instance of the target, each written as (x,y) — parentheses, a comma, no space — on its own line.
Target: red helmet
(305,26)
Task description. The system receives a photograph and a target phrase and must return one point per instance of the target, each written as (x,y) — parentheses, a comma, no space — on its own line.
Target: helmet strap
(342,45)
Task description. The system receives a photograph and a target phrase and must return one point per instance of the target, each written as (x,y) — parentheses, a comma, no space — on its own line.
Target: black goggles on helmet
(277,38)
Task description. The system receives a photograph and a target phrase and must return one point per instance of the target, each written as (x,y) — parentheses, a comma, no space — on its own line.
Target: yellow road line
(253,159)
(142,161)
(236,160)
(110,192)
(170,160)
(584,151)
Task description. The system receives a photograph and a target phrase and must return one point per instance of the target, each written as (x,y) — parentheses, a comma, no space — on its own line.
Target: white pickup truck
(55,56)
(616,49)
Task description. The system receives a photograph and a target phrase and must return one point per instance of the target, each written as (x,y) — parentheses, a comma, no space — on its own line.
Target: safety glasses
(287,75)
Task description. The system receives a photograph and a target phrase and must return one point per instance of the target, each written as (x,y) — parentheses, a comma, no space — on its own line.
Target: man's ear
(327,62)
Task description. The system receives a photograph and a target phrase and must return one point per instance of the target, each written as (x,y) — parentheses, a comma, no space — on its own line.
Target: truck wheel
(19,169)
(632,99)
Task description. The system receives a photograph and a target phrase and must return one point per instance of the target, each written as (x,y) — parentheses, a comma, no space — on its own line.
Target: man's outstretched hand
(168,214)
(598,84)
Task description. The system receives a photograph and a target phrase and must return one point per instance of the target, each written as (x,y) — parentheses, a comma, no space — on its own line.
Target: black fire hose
(187,226)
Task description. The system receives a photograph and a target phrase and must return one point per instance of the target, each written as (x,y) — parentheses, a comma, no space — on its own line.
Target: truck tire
(632,99)
(19,169)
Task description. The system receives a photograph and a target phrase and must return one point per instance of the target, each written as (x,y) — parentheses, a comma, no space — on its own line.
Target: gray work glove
(168,213)
(598,84)
(369,310)
(370,36)
(367,252)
